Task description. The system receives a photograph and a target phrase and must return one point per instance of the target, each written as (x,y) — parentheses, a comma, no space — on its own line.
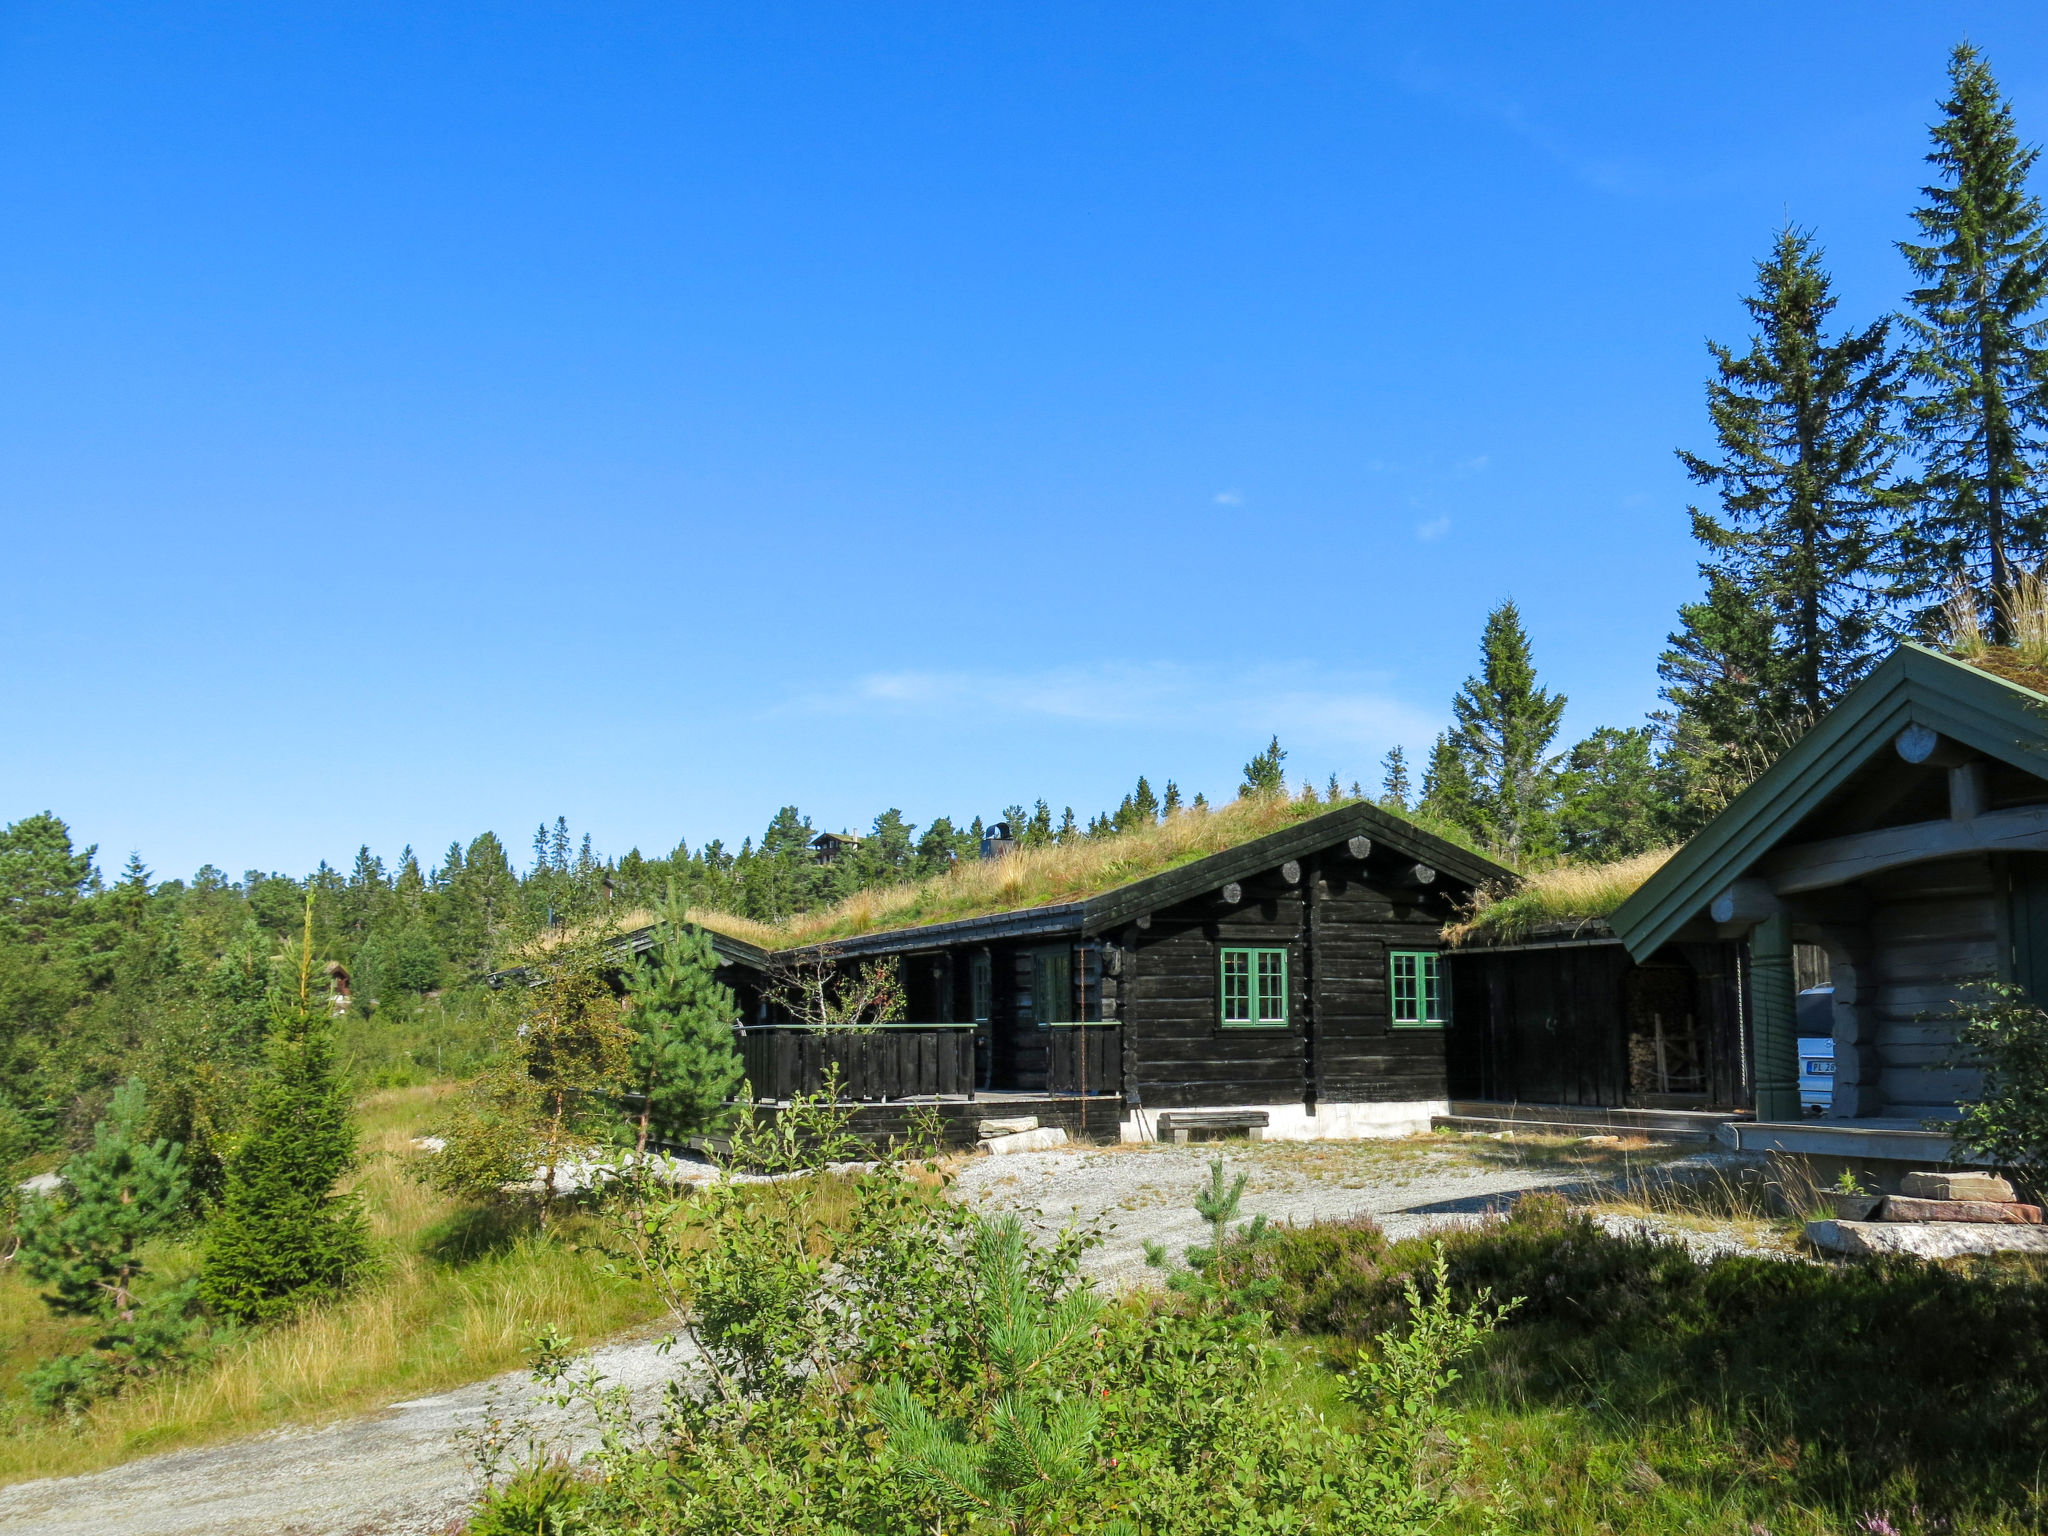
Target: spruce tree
(683,1060)
(1263,779)
(1978,352)
(1613,804)
(1804,470)
(1734,704)
(1447,790)
(1394,787)
(282,1235)
(1505,725)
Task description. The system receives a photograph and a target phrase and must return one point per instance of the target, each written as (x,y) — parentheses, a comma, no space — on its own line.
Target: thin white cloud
(1301,703)
(1231,498)
(1434,529)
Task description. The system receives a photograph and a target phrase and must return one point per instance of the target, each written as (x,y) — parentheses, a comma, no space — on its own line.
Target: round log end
(1916,743)
(1233,893)
(1359,847)
(1291,871)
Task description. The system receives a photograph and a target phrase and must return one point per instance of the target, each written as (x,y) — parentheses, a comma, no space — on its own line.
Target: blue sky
(420,418)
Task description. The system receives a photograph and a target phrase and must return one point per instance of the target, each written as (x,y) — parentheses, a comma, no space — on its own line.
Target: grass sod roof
(1979,702)
(1092,885)
(1564,901)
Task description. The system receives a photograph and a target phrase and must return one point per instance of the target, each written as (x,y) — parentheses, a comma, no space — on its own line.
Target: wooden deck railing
(1085,1058)
(879,1062)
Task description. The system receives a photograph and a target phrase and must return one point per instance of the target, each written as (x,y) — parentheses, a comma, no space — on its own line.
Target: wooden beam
(1358,847)
(1838,860)
(1745,902)
(1291,871)
(1416,874)
(1967,795)
(1233,893)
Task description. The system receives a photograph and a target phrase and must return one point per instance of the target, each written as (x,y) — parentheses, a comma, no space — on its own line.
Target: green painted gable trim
(1912,686)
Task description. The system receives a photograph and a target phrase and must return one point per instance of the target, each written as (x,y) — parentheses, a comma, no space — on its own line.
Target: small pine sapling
(683,1062)
(283,1236)
(87,1245)
(1031,1447)
(1214,1269)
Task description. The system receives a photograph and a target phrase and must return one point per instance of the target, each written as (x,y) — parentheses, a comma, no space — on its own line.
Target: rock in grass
(1955,1186)
(1924,1239)
(1039,1140)
(1012,1126)
(1906,1208)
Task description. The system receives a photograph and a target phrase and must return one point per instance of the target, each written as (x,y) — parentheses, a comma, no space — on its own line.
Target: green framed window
(1415,983)
(1254,988)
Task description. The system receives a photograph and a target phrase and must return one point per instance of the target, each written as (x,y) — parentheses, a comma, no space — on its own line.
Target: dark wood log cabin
(1298,974)
(1904,837)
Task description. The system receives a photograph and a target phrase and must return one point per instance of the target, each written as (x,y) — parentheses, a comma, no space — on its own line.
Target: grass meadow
(460,1297)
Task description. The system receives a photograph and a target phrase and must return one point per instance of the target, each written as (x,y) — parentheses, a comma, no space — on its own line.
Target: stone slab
(1011,1126)
(1955,1186)
(1039,1140)
(1906,1208)
(1924,1239)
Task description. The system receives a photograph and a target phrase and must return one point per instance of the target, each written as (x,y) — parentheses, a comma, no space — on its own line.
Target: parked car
(1816,1050)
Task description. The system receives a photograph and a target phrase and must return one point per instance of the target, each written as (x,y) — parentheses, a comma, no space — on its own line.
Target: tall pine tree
(1979,352)
(282,1235)
(1500,746)
(1734,705)
(683,1061)
(1804,470)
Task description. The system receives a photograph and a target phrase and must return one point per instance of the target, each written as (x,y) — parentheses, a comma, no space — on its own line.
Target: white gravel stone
(1924,1239)
(1043,1139)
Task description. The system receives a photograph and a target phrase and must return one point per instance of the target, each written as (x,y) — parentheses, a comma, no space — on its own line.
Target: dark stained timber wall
(1339,1044)
(1360,1056)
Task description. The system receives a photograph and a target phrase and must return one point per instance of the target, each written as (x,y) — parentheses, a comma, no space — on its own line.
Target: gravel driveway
(1146,1192)
(401,1472)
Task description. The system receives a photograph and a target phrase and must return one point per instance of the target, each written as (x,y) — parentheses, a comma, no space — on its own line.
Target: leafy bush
(910,1367)
(2005,1036)
(1855,1376)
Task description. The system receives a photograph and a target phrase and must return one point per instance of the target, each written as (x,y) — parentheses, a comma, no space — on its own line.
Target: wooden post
(1311,1032)
(1774,1008)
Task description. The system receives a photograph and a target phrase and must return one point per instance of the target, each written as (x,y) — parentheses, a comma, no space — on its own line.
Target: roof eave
(1912,686)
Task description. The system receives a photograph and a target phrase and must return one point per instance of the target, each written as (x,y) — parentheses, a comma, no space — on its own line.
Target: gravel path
(401,1472)
(1146,1192)
(397,1473)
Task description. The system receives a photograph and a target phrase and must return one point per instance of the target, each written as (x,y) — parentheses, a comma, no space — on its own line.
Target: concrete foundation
(1295,1122)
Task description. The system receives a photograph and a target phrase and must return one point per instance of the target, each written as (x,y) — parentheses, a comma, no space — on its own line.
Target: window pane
(1237,986)
(1405,988)
(1272,986)
(1432,991)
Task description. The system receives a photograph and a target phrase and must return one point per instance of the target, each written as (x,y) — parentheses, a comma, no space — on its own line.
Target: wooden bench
(1179,1125)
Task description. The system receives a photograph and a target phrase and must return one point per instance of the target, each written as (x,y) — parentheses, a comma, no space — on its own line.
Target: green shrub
(534,1501)
(1849,1379)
